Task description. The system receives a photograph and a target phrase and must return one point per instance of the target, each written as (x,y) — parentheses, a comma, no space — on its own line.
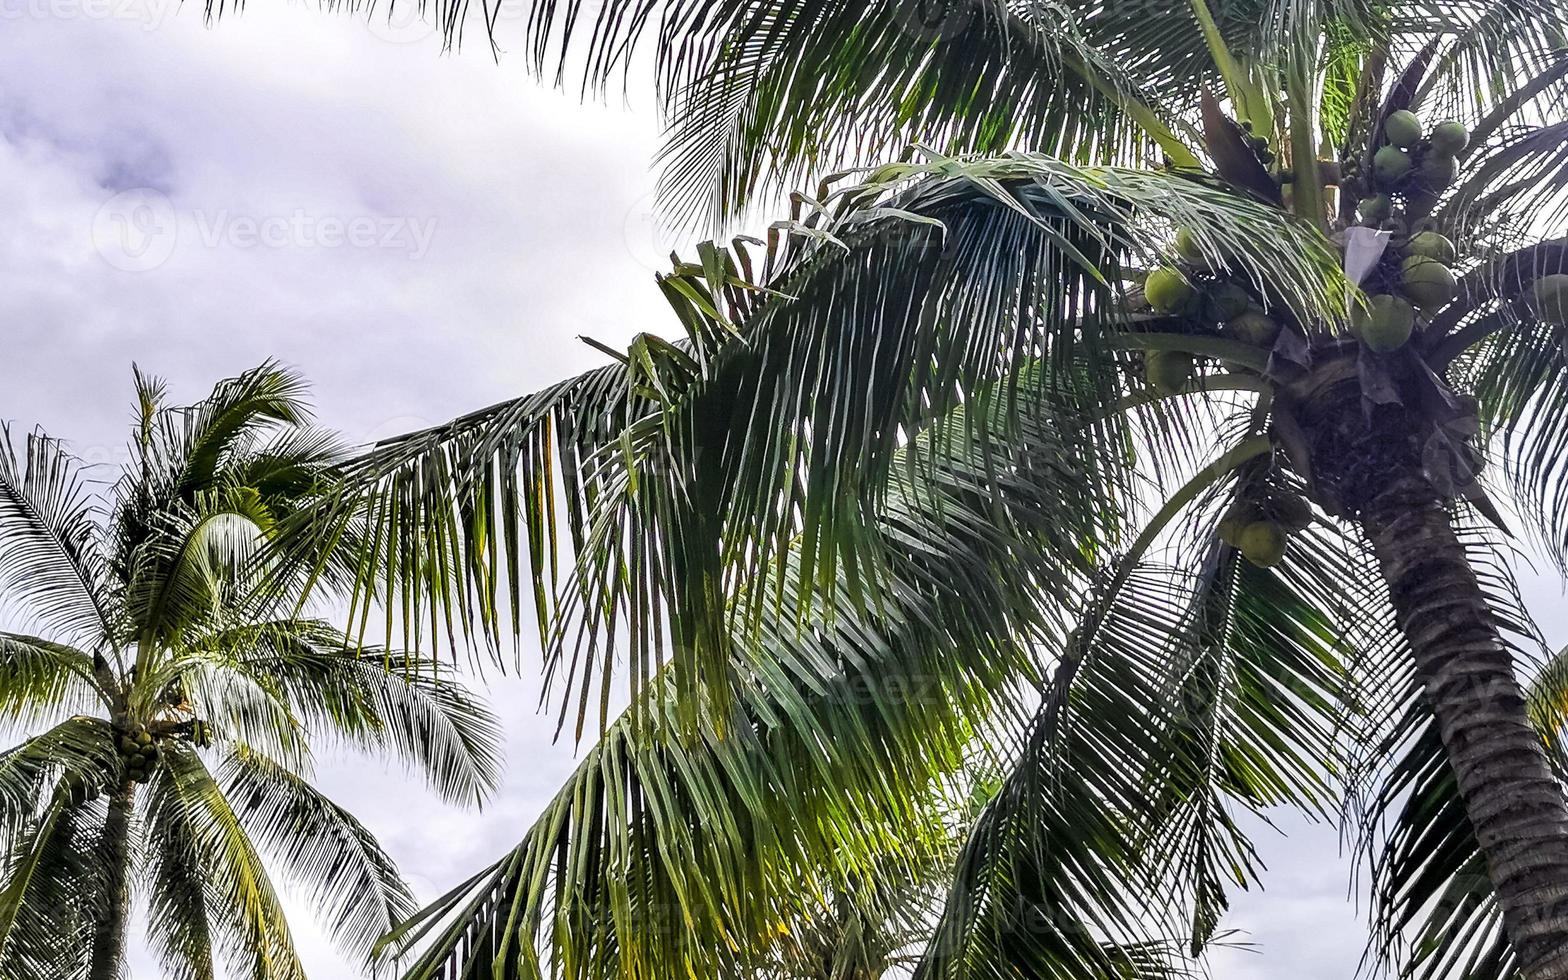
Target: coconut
(1253,327)
(1263,543)
(128,745)
(1168,371)
(1375,209)
(1187,247)
(1438,170)
(1432,245)
(1229,301)
(1390,164)
(1450,138)
(1167,290)
(1386,323)
(1237,517)
(1427,282)
(144,737)
(1551,298)
(1403,128)
(1290,510)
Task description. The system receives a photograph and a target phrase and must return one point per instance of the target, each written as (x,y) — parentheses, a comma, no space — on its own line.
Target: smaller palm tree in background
(189,694)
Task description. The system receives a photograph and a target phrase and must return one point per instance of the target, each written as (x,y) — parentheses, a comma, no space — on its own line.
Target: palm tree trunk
(109,933)
(1515,804)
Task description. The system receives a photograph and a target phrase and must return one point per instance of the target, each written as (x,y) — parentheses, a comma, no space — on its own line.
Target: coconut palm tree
(1175,375)
(176,703)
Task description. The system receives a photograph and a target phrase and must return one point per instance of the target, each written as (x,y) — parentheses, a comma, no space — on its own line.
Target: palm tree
(177,701)
(1177,369)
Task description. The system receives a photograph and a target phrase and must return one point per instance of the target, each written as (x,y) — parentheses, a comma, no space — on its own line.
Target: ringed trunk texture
(109,933)
(1515,805)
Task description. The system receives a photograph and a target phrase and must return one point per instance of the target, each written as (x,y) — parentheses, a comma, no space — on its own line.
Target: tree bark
(1515,804)
(109,933)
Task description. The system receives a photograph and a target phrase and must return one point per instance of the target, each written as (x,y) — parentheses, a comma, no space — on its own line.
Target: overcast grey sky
(421,235)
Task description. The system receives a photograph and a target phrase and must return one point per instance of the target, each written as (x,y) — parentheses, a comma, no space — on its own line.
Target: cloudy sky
(421,235)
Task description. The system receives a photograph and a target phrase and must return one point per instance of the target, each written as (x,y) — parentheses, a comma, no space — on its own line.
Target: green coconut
(1263,543)
(1253,327)
(1375,209)
(1385,324)
(128,745)
(1551,298)
(1187,247)
(1167,290)
(1438,170)
(1390,164)
(1403,128)
(1241,513)
(1428,282)
(1168,371)
(144,737)
(1229,301)
(1450,138)
(1431,244)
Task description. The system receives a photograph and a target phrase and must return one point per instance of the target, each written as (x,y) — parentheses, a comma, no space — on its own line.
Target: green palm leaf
(321,847)
(242,909)
(50,565)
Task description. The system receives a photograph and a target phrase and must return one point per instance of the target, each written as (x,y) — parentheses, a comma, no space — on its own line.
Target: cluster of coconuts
(1411,167)
(1260,528)
(1191,287)
(137,749)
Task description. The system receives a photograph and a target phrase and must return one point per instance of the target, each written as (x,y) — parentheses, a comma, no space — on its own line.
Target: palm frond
(926,280)
(80,750)
(671,852)
(346,875)
(54,891)
(1515,366)
(1518,183)
(242,910)
(183,452)
(50,565)
(763,94)
(180,929)
(38,676)
(1490,51)
(241,706)
(387,702)
(1182,694)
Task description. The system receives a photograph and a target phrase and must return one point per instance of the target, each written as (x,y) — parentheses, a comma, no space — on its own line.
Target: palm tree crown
(1138,397)
(177,699)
